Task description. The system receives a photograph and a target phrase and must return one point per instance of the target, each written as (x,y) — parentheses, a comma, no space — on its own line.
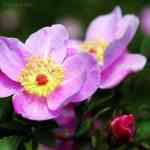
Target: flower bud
(122,129)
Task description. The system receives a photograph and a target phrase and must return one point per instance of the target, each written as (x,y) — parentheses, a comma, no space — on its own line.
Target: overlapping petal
(115,50)
(49,41)
(105,26)
(7,86)
(126,64)
(32,107)
(128,24)
(12,57)
(74,78)
(73,47)
(92,79)
(127,27)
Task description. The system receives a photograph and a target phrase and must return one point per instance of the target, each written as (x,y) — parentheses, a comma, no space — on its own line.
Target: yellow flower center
(96,47)
(41,76)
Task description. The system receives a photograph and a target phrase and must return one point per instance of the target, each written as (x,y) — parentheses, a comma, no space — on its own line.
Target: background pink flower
(145,20)
(107,39)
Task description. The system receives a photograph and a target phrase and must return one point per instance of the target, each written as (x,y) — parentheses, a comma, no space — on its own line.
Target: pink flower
(67,121)
(145,20)
(40,76)
(123,128)
(107,39)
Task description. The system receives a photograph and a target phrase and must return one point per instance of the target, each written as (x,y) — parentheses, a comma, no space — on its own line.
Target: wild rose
(122,129)
(40,76)
(107,39)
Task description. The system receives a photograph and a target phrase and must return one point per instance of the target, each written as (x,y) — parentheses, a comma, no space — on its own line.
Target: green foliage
(84,127)
(143,131)
(10,143)
(145,47)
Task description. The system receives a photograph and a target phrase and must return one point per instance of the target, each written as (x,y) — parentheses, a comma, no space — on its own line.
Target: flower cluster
(51,71)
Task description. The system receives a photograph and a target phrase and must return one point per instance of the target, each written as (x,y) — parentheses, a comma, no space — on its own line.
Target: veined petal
(128,63)
(12,57)
(128,23)
(104,26)
(123,36)
(74,78)
(126,30)
(8,87)
(49,41)
(73,47)
(32,107)
(92,80)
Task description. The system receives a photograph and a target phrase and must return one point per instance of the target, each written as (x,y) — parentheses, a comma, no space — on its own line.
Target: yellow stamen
(96,47)
(53,75)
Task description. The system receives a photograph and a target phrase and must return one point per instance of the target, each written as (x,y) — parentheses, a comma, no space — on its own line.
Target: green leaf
(102,111)
(97,102)
(93,141)
(84,127)
(43,133)
(5,110)
(143,131)
(135,94)
(28,145)
(10,143)
(145,47)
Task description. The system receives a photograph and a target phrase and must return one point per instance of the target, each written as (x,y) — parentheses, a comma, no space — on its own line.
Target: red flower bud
(122,129)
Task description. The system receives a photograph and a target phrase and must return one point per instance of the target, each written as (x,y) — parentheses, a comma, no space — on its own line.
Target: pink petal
(49,41)
(12,54)
(7,86)
(73,47)
(128,22)
(67,116)
(128,63)
(104,26)
(118,31)
(92,81)
(126,30)
(74,77)
(32,107)
(67,120)
(145,21)
(114,51)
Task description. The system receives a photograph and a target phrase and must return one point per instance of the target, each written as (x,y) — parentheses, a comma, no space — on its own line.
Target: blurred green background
(21,17)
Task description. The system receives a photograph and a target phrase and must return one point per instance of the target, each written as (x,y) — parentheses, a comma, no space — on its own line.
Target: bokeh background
(19,18)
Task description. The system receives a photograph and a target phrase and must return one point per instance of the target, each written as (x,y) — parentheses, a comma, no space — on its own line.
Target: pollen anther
(96,47)
(41,76)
